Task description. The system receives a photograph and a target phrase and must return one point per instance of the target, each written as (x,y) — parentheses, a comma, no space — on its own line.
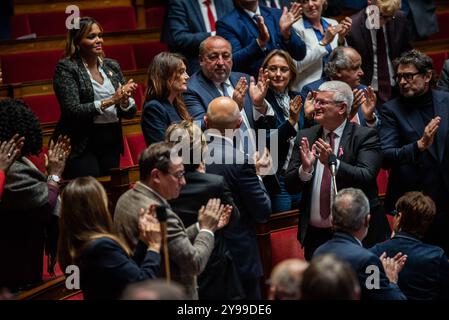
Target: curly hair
(17,117)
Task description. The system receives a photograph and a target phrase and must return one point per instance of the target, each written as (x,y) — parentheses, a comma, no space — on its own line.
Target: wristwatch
(54,178)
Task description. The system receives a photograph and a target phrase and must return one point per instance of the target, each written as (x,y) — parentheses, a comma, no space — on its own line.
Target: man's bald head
(223,113)
(286,279)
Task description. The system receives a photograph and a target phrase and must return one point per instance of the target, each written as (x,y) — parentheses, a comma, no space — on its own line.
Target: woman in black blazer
(167,80)
(106,264)
(93,97)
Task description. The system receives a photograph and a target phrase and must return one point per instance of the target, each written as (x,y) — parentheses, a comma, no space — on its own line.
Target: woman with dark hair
(288,117)
(27,209)
(167,80)
(93,97)
(86,240)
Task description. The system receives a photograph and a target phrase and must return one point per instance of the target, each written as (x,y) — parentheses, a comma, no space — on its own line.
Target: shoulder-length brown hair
(74,36)
(84,217)
(161,72)
(288,59)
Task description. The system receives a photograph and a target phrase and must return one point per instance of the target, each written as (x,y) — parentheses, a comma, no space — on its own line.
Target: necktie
(210,15)
(325,190)
(225,91)
(383,75)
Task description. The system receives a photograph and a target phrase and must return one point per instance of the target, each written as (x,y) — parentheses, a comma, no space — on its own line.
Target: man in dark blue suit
(254,31)
(248,192)
(414,138)
(425,276)
(188,22)
(350,221)
(344,64)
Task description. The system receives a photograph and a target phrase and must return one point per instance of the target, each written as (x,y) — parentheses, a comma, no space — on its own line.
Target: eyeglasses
(274,69)
(321,102)
(178,175)
(408,76)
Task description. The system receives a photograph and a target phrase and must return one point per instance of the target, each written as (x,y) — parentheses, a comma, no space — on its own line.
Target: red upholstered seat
(29,66)
(154,17)
(285,245)
(123,53)
(138,97)
(145,52)
(443,26)
(78,296)
(48,23)
(126,159)
(438,60)
(113,19)
(46,107)
(20,25)
(382,181)
(136,144)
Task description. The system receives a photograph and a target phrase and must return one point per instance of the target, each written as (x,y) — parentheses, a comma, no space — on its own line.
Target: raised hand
(324,150)
(308,156)
(295,109)
(258,91)
(359,99)
(346,25)
(239,92)
(57,155)
(224,216)
(263,163)
(308,105)
(10,151)
(264,34)
(330,33)
(369,105)
(209,215)
(429,133)
(288,18)
(150,228)
(392,266)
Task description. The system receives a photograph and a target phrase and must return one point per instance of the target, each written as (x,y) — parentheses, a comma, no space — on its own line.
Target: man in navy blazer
(414,138)
(185,26)
(248,192)
(344,64)
(350,222)
(251,41)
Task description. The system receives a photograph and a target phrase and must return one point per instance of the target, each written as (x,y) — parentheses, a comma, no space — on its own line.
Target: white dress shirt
(203,8)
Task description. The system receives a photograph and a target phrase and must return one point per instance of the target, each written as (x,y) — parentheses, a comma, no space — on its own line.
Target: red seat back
(382,181)
(48,23)
(46,107)
(20,25)
(113,19)
(136,144)
(154,17)
(30,66)
(443,26)
(138,97)
(123,53)
(126,159)
(145,52)
(285,245)
(438,59)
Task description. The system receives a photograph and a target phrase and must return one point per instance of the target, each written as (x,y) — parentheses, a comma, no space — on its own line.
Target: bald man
(222,119)
(285,280)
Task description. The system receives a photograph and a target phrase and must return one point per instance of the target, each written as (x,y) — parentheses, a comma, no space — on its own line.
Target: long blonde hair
(84,217)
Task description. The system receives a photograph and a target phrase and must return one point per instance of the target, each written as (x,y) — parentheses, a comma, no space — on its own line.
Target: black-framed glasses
(408,76)
(178,175)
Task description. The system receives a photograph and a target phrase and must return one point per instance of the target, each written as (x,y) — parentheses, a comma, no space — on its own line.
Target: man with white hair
(358,161)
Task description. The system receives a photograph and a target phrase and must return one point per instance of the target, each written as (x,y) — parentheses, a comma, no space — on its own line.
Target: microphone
(332,163)
(161,213)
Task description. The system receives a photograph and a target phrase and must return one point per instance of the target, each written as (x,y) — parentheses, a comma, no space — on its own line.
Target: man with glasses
(380,35)
(161,179)
(358,162)
(414,135)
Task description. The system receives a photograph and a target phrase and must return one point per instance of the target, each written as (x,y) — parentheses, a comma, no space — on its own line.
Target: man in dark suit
(188,22)
(279,4)
(254,31)
(422,18)
(358,162)
(414,138)
(443,82)
(425,276)
(350,221)
(378,46)
(250,197)
(344,64)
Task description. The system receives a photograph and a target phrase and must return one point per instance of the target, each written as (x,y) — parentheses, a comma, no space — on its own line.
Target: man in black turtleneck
(414,137)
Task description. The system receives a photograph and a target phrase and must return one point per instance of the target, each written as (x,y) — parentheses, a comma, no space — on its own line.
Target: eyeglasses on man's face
(408,76)
(322,102)
(178,175)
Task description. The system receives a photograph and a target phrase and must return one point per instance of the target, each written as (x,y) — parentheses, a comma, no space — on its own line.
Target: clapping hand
(10,151)
(295,108)
(258,91)
(239,92)
(150,228)
(288,18)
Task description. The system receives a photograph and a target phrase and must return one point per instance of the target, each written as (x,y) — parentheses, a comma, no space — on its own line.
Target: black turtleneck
(423,103)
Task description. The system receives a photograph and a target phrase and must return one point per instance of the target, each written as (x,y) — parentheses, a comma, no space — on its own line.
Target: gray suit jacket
(189,249)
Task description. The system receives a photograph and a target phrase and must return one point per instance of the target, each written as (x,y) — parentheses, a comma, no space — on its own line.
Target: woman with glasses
(94,97)
(321,36)
(164,104)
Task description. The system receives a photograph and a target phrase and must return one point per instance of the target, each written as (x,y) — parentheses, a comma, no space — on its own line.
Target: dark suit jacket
(201,91)
(184,27)
(249,196)
(424,17)
(75,94)
(443,82)
(106,269)
(346,247)
(156,117)
(313,86)
(241,31)
(360,39)
(411,170)
(425,275)
(359,165)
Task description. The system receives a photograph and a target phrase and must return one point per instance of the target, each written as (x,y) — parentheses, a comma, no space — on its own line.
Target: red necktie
(383,75)
(210,15)
(325,190)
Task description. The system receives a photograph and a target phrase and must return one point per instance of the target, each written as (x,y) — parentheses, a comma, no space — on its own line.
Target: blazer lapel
(344,140)
(199,15)
(246,21)
(208,86)
(86,79)
(441,109)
